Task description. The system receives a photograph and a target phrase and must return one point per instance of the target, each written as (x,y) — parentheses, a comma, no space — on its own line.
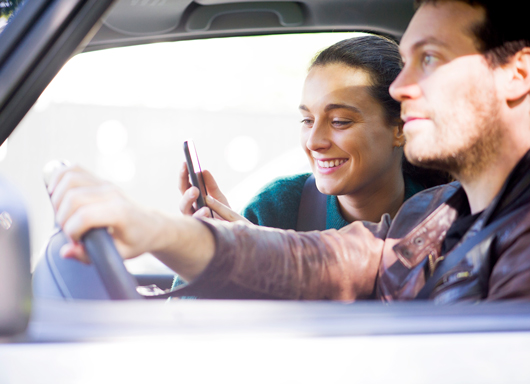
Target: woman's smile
(345,133)
(327,166)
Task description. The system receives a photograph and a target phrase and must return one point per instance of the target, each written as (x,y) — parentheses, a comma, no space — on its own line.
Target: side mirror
(15,274)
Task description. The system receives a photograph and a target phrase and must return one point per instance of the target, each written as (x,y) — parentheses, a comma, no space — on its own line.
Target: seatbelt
(312,212)
(460,253)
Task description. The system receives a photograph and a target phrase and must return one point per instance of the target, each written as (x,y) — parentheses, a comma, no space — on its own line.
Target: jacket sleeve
(253,262)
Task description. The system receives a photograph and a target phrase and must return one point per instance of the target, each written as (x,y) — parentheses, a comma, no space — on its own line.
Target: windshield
(124,114)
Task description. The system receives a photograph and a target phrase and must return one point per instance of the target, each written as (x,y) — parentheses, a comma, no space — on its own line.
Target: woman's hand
(215,200)
(188,203)
(221,211)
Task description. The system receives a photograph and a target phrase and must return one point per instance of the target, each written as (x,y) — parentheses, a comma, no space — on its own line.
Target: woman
(352,135)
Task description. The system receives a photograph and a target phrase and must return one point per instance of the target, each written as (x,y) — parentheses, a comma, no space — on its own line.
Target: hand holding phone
(195,172)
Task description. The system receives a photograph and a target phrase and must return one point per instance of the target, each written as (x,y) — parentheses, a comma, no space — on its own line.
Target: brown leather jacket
(388,260)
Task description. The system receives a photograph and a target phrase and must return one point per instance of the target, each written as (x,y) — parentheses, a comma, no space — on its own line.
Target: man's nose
(405,86)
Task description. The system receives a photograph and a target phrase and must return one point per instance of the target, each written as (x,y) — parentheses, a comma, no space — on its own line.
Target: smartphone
(195,172)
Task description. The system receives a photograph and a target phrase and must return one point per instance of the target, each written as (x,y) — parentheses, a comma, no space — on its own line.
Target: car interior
(118,86)
(225,67)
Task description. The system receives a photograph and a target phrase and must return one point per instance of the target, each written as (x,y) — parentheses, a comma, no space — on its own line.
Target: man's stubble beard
(478,147)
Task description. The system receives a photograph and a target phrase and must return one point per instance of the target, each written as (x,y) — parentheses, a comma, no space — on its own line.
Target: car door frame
(35,45)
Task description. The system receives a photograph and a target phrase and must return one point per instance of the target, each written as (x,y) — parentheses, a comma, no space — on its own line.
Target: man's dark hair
(504,31)
(380,58)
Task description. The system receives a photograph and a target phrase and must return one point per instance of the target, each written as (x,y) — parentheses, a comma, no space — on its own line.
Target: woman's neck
(370,203)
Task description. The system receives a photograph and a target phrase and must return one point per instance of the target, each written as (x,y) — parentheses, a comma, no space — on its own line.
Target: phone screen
(195,171)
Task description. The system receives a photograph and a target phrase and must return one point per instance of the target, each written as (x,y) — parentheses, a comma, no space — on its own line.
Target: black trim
(16,30)
(42,52)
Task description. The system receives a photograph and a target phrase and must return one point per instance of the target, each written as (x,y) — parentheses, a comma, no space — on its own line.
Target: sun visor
(140,17)
(289,14)
(15,276)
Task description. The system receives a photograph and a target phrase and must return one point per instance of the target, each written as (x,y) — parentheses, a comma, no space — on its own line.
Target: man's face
(447,91)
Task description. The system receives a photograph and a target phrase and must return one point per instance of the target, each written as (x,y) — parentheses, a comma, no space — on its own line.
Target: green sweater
(277,204)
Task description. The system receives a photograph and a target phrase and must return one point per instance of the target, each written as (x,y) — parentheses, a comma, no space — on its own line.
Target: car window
(124,113)
(8,9)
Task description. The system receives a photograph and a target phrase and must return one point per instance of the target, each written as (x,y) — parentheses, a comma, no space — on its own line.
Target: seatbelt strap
(312,212)
(486,234)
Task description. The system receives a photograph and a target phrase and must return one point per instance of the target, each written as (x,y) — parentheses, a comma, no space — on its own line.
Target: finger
(184,179)
(76,251)
(53,175)
(189,198)
(98,214)
(222,210)
(51,169)
(213,188)
(204,212)
(77,197)
(68,180)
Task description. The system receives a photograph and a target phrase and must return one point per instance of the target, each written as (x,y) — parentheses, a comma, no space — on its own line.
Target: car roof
(28,67)
(139,22)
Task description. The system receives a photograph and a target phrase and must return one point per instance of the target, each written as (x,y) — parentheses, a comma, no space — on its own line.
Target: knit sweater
(277,204)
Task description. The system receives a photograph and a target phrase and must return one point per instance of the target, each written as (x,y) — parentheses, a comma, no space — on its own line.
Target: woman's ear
(399,136)
(519,75)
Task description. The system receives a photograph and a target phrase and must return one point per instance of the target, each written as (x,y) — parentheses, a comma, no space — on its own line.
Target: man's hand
(82,202)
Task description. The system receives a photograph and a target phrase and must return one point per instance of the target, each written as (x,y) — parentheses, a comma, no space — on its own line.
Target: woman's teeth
(330,163)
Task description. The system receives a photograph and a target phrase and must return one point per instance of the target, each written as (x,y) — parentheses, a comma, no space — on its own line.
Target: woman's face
(350,146)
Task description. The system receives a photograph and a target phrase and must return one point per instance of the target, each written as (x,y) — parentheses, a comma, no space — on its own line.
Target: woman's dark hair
(379,57)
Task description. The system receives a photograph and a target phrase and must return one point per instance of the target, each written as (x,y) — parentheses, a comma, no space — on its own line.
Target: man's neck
(482,187)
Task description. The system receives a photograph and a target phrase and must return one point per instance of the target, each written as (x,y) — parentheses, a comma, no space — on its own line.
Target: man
(465,100)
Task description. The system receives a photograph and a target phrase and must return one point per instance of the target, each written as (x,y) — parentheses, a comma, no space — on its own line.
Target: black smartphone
(195,172)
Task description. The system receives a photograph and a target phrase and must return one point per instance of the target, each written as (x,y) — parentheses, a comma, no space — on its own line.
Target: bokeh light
(242,153)
(111,137)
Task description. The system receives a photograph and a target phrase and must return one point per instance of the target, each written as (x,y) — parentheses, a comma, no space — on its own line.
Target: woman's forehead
(337,84)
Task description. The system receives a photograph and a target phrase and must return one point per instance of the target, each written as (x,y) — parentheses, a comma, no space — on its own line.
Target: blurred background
(124,113)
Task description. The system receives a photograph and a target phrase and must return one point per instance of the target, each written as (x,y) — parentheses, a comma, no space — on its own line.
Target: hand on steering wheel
(98,246)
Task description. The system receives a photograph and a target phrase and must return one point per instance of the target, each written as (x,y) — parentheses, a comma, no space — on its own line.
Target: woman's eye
(307,121)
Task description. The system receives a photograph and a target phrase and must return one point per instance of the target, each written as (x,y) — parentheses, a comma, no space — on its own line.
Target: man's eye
(307,121)
(429,59)
(341,123)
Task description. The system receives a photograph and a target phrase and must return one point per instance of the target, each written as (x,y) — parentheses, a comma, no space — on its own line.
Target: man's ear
(399,136)
(519,70)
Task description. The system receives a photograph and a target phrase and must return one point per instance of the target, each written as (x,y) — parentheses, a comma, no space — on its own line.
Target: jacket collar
(425,240)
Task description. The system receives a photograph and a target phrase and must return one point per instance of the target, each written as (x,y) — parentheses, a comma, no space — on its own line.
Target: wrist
(184,244)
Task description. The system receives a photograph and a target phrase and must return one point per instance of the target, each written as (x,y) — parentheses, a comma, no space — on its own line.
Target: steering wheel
(120,284)
(105,278)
